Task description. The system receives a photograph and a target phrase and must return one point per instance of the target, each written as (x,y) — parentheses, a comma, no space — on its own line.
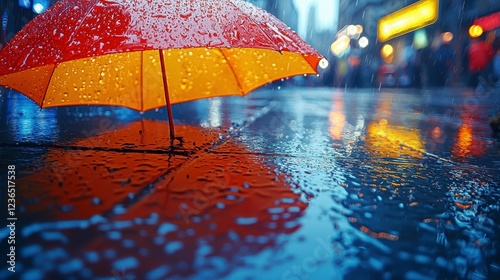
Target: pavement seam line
(266,109)
(170,174)
(102,149)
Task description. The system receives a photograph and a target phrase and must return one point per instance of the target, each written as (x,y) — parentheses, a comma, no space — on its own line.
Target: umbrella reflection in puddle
(153,215)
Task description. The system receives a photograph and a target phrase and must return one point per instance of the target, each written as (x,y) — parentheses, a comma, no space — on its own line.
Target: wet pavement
(296,183)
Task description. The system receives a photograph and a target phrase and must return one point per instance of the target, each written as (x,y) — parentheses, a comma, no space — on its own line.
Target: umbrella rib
(263,31)
(48,84)
(142,82)
(308,62)
(63,50)
(79,25)
(276,48)
(232,70)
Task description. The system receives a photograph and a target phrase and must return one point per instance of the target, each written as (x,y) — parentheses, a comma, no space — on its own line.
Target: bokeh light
(387,50)
(351,30)
(24,3)
(387,53)
(446,37)
(340,45)
(39,6)
(323,63)
(420,40)
(363,42)
(359,29)
(475,31)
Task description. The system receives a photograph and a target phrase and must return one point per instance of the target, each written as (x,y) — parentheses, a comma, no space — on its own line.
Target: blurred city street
(250,139)
(289,183)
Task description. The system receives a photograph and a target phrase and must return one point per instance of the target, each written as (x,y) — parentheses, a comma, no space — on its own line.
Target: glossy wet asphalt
(296,183)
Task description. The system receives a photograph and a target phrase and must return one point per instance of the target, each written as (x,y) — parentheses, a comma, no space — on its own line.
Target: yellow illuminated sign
(408,19)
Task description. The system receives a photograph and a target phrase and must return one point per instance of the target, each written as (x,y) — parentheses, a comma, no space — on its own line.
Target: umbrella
(146,54)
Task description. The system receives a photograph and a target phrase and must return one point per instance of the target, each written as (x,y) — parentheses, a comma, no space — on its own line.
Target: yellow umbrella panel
(134,79)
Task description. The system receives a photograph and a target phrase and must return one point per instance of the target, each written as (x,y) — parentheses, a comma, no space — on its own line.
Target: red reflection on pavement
(200,210)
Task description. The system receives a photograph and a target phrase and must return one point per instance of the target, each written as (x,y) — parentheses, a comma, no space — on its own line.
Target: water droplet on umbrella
(246,221)
(185,16)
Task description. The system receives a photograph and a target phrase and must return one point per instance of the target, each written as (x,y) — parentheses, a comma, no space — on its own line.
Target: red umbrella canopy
(74,29)
(92,51)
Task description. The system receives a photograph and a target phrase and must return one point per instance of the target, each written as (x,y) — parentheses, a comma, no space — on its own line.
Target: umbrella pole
(167,96)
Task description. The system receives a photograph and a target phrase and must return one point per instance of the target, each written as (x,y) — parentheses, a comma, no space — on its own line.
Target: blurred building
(284,10)
(319,38)
(287,12)
(311,23)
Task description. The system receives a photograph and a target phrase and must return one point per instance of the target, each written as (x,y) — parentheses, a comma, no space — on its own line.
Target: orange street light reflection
(337,120)
(386,140)
(379,235)
(466,145)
